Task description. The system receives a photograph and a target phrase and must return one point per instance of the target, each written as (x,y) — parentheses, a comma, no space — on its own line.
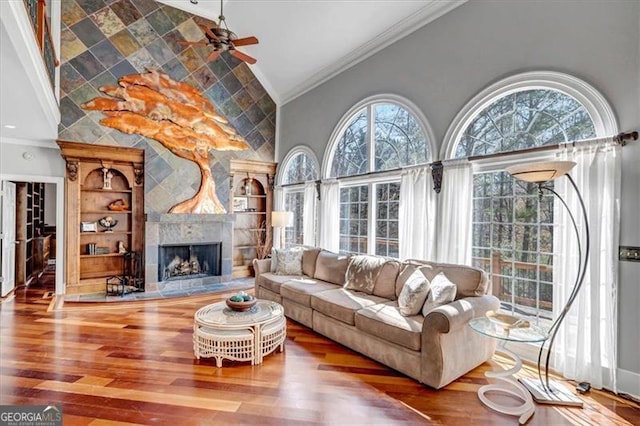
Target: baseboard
(629,383)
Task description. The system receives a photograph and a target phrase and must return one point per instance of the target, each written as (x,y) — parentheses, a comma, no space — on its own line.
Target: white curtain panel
(455,206)
(585,348)
(417,214)
(278,205)
(330,215)
(309,214)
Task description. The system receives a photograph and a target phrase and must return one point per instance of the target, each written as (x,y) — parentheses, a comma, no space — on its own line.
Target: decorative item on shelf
(106,178)
(88,227)
(241,302)
(240,204)
(119,205)
(281,220)
(121,248)
(540,173)
(108,222)
(248,184)
(101,250)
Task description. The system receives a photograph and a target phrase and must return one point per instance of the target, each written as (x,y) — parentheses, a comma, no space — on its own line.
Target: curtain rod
(620,138)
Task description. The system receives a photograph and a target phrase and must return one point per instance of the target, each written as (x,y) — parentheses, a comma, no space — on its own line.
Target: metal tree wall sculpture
(180,118)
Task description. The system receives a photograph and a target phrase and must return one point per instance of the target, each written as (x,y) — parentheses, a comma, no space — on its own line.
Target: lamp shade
(281,219)
(540,172)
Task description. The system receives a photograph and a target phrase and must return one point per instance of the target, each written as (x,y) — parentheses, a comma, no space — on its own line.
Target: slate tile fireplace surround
(193,231)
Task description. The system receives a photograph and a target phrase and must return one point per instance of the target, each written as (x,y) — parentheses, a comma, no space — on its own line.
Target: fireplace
(185,261)
(187,230)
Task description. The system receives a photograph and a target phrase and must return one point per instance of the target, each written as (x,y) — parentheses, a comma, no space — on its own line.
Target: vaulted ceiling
(305,42)
(302,44)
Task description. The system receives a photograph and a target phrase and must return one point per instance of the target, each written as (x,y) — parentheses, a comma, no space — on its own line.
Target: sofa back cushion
(362,273)
(468,280)
(386,283)
(309,258)
(331,267)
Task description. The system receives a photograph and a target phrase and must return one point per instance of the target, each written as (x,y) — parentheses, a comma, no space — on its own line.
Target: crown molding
(51,144)
(432,11)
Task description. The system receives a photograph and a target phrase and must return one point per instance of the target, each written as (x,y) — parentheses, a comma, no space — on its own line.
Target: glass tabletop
(530,334)
(220,314)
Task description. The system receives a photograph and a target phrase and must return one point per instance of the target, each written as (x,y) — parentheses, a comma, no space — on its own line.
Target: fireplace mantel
(165,229)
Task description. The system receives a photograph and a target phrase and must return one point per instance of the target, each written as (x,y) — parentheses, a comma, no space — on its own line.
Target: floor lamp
(281,220)
(544,390)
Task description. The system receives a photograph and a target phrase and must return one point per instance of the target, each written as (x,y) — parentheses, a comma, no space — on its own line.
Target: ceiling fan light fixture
(223,39)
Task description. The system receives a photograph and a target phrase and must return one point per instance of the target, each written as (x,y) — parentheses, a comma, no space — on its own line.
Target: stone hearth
(171,229)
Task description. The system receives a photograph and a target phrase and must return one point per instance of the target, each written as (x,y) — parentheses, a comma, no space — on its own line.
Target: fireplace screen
(189,261)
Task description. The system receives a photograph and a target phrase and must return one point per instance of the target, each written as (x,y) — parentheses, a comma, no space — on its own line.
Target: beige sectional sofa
(434,350)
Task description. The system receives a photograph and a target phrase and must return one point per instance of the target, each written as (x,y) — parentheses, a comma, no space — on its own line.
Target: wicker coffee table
(220,333)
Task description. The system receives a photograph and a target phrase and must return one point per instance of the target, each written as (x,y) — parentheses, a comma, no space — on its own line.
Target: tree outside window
(379,137)
(512,225)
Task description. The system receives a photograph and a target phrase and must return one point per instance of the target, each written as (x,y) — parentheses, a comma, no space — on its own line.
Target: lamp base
(555,395)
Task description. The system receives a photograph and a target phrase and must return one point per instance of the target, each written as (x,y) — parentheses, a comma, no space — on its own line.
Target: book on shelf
(93,249)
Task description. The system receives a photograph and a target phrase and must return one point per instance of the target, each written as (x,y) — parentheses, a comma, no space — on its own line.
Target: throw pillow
(413,294)
(442,292)
(289,261)
(362,273)
(274,260)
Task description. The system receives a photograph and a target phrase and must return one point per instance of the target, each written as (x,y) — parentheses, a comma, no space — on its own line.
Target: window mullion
(371,223)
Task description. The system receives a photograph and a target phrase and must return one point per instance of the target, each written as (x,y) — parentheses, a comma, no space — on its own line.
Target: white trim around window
(293,152)
(601,113)
(327,160)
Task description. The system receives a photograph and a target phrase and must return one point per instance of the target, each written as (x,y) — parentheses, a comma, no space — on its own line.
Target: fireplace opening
(185,261)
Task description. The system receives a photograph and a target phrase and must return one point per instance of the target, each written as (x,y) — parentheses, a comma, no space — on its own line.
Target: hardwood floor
(134,363)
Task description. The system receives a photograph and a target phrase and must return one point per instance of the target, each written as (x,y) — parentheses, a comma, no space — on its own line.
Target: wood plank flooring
(134,364)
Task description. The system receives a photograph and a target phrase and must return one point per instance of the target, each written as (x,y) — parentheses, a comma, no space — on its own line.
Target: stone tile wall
(101,40)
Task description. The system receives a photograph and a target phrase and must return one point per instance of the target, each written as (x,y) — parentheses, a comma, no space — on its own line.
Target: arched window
(372,143)
(299,166)
(512,225)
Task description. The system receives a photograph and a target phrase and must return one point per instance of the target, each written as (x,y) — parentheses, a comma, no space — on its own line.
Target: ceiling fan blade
(245,41)
(242,56)
(214,55)
(208,31)
(193,43)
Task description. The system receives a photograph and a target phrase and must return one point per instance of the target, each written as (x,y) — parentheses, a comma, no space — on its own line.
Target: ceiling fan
(223,40)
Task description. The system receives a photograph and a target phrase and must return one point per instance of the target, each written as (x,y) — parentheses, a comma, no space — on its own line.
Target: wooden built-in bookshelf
(88,197)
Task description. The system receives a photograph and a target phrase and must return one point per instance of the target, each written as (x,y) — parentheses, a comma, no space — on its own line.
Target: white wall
(442,65)
(24,159)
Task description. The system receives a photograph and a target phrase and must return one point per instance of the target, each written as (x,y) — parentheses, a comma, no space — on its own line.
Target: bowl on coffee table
(241,302)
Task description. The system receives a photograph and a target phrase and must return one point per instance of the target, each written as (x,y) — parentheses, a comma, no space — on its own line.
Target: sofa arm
(450,348)
(260,266)
(454,315)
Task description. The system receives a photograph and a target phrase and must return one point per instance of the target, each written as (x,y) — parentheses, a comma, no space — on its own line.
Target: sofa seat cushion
(300,289)
(273,281)
(385,321)
(342,304)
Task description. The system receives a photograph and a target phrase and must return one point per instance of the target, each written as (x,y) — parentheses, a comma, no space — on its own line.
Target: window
(512,225)
(374,142)
(300,166)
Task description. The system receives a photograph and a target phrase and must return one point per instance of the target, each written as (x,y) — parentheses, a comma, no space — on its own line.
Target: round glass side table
(509,384)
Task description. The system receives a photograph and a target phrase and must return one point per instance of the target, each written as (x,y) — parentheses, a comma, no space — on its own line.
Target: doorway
(43,254)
